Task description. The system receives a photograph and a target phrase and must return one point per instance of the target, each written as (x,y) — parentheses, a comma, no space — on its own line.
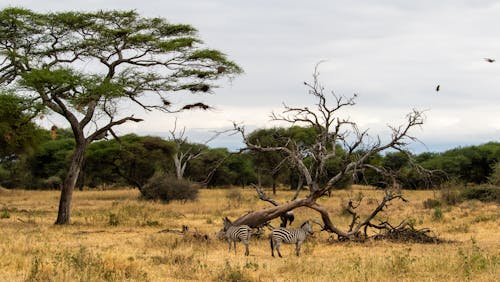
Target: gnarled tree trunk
(64,212)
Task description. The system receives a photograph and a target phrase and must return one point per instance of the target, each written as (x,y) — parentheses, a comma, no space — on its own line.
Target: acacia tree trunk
(64,213)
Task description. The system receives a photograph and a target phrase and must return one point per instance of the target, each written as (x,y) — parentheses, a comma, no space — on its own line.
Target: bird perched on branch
(438,87)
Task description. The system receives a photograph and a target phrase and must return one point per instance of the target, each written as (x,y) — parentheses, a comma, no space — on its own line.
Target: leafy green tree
(19,137)
(210,168)
(494,178)
(242,168)
(395,160)
(18,134)
(129,160)
(472,164)
(82,66)
(270,164)
(49,163)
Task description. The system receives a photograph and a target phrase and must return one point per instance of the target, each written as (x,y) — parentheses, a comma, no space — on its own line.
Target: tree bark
(64,213)
(258,218)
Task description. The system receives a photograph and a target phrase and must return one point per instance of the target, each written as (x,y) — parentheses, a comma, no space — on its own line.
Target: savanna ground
(115,237)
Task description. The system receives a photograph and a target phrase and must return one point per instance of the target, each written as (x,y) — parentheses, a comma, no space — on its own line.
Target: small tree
(311,161)
(82,66)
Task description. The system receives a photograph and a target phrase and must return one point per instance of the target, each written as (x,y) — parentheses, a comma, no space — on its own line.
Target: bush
(437,214)
(451,193)
(4,214)
(235,197)
(482,193)
(53,182)
(431,203)
(168,188)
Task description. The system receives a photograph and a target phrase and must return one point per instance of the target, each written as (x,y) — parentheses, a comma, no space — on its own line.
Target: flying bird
(437,88)
(489,60)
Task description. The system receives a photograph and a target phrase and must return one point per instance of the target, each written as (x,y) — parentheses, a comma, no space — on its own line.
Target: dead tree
(332,133)
(185,152)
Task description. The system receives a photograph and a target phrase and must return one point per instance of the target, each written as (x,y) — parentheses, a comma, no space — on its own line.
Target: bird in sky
(437,88)
(489,60)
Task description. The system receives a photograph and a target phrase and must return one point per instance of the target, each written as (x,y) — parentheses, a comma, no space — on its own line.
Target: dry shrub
(431,203)
(235,197)
(233,274)
(83,265)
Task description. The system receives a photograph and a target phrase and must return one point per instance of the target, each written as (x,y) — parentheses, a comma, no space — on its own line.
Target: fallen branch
(187,233)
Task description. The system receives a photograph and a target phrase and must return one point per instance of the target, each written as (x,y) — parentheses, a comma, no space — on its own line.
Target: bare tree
(333,133)
(184,152)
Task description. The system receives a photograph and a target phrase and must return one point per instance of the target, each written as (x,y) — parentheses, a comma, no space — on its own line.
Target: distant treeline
(131,160)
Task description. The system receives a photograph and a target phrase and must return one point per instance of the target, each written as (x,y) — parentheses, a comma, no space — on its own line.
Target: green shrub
(168,188)
(4,213)
(437,214)
(482,193)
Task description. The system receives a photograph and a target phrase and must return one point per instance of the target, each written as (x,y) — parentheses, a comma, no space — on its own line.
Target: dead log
(258,218)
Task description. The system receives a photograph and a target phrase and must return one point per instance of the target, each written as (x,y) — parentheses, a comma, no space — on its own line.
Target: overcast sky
(393,54)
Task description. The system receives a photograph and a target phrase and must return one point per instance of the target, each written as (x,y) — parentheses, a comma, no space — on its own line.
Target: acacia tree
(86,66)
(332,134)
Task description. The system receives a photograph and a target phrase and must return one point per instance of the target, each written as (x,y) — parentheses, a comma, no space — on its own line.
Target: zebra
(290,236)
(237,233)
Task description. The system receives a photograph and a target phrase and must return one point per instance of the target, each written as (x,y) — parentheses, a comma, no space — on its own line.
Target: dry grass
(114,237)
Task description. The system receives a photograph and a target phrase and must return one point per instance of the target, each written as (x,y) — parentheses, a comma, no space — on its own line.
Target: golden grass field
(115,237)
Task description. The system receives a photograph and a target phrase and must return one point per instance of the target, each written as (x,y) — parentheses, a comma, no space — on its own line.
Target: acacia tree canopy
(82,65)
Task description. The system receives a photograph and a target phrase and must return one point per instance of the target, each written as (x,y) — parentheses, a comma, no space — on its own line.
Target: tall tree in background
(18,134)
(84,66)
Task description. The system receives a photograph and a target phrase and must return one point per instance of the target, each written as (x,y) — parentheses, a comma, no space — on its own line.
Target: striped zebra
(290,236)
(237,233)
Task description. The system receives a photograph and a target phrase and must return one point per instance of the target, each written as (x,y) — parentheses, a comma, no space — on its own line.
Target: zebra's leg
(278,243)
(272,246)
(297,248)
(229,242)
(247,252)
(234,247)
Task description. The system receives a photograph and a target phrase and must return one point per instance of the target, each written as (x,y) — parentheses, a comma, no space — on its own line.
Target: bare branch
(263,196)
